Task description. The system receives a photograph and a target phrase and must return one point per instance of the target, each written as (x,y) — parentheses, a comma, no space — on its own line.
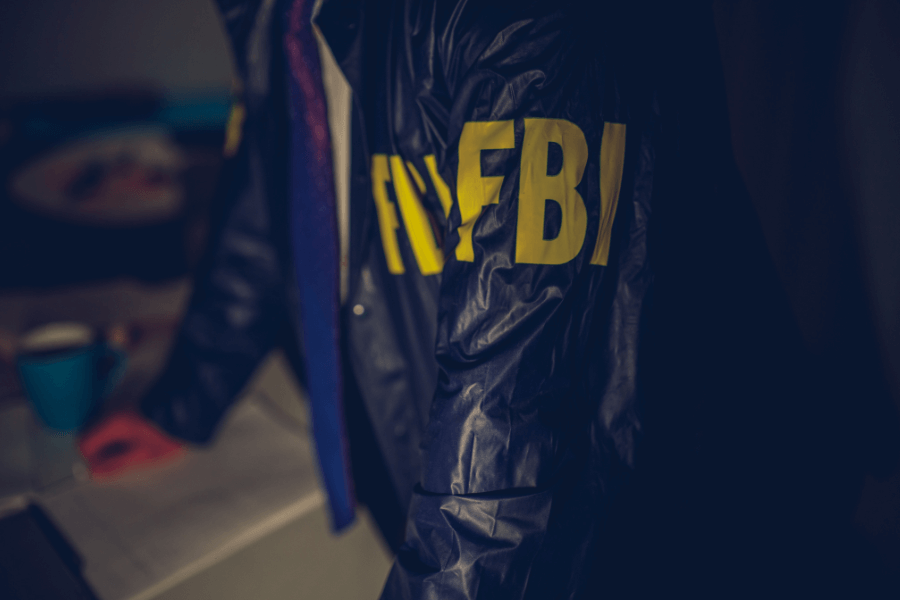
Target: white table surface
(154,532)
(147,532)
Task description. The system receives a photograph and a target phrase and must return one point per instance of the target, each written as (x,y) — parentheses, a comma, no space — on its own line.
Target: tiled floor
(274,568)
(287,563)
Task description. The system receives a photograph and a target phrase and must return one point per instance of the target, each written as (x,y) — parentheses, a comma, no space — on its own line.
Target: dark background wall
(66,45)
(814,103)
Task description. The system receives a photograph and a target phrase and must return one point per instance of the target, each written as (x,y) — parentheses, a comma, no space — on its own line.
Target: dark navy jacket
(568,336)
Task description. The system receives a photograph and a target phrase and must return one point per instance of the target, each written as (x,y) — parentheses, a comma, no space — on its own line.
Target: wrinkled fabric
(623,413)
(239,308)
(248,292)
(316,260)
(246,296)
(605,421)
(535,418)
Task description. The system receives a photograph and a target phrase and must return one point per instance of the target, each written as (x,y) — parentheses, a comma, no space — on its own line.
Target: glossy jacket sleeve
(522,292)
(239,307)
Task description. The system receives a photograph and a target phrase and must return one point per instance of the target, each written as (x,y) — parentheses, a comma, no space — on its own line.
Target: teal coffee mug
(67,370)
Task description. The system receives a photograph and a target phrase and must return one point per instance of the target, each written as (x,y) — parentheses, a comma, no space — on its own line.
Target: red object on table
(125,441)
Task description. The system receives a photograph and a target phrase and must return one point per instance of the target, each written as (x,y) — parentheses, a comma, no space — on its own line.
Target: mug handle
(115,373)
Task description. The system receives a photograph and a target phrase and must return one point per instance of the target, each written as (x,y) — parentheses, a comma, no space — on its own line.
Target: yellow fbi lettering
(475,192)
(612,162)
(387,213)
(408,188)
(428,255)
(537,186)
